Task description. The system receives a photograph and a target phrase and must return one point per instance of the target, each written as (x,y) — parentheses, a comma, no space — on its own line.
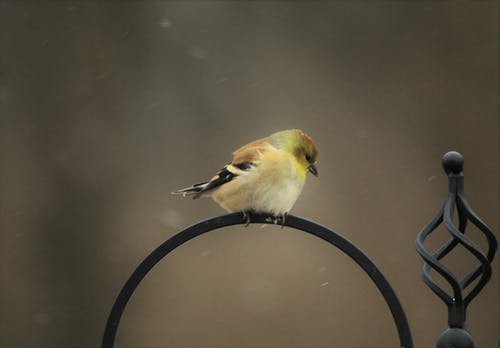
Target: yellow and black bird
(265,176)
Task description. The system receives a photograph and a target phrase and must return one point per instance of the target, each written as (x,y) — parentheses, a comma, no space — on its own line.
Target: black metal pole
(456,336)
(235,219)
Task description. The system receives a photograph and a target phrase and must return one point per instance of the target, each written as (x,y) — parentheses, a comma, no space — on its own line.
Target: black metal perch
(456,336)
(235,219)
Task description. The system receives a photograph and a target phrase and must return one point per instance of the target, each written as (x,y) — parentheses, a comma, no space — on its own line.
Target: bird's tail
(194,190)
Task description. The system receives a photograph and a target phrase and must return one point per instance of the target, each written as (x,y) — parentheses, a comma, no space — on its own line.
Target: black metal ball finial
(466,288)
(453,162)
(455,338)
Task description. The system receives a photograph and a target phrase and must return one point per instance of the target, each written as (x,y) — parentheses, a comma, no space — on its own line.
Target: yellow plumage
(265,176)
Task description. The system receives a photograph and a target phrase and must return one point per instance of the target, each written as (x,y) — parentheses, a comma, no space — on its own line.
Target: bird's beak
(314,171)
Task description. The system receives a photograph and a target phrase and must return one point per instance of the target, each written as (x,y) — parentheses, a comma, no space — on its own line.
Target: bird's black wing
(225,175)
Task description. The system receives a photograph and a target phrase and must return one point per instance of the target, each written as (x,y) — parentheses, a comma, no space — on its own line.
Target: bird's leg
(246,217)
(283,219)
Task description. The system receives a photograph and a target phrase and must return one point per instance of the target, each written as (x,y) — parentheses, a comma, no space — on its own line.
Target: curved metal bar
(492,242)
(461,237)
(485,268)
(235,219)
(432,260)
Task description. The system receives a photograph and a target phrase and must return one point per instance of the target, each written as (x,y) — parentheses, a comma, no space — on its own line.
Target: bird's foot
(283,219)
(246,218)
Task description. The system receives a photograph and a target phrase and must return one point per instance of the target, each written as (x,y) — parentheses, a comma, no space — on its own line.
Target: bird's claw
(283,219)
(246,218)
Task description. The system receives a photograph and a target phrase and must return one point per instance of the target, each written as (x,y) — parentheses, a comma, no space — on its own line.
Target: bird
(265,176)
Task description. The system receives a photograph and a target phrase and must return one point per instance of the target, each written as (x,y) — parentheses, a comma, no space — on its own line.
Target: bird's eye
(308,158)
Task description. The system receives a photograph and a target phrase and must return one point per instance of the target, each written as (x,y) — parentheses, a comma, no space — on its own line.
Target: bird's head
(301,146)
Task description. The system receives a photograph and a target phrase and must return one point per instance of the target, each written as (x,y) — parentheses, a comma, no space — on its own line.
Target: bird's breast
(273,186)
(278,191)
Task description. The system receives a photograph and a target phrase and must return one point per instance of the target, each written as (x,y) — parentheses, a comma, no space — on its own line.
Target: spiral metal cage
(464,289)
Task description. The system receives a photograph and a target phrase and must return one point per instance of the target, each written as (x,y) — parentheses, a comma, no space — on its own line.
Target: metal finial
(464,290)
(455,338)
(453,162)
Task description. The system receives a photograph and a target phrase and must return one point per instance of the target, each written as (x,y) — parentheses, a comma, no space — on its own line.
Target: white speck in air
(43,318)
(198,52)
(165,23)
(172,218)
(363,134)
(221,80)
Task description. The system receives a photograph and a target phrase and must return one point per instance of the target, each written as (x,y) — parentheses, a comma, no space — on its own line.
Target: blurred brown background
(107,107)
